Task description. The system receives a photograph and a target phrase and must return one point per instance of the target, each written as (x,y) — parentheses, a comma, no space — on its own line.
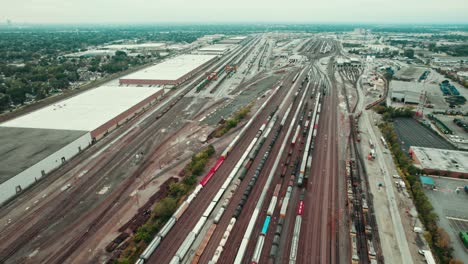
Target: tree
(177,189)
(4,101)
(120,53)
(17,92)
(41,94)
(443,238)
(409,53)
(165,208)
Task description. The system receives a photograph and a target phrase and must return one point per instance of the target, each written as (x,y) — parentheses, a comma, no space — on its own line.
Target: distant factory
(215,49)
(233,40)
(142,46)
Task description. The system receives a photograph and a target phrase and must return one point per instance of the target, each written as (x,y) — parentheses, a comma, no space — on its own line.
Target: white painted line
(455,218)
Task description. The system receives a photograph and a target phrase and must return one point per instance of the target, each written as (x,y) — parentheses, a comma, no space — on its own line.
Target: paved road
(389,170)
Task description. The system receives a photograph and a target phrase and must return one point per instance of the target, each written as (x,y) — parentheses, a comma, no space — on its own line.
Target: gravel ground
(243,99)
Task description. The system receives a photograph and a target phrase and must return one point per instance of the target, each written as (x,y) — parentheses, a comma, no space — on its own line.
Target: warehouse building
(407,92)
(215,49)
(170,72)
(37,143)
(142,46)
(409,73)
(233,40)
(451,163)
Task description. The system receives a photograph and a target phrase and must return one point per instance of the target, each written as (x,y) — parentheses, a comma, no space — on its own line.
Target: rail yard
(287,183)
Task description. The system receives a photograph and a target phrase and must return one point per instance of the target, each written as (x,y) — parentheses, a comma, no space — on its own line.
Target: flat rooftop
(20,148)
(136,46)
(407,73)
(233,40)
(239,37)
(216,47)
(416,87)
(171,69)
(442,159)
(85,111)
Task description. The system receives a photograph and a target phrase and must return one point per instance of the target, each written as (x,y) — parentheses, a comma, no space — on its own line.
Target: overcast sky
(153,11)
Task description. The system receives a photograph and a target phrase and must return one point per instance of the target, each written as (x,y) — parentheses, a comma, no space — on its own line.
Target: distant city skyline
(210,11)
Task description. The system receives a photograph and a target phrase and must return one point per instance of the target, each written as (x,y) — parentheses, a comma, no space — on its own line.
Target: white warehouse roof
(171,69)
(441,159)
(216,47)
(136,46)
(85,111)
(401,86)
(239,37)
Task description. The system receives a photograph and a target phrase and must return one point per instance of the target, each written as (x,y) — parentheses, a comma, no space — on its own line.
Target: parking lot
(412,133)
(452,208)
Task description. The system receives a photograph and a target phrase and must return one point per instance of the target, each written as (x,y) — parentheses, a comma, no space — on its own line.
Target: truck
(464,238)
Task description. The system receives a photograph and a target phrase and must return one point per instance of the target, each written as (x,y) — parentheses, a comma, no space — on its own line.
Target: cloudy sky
(153,11)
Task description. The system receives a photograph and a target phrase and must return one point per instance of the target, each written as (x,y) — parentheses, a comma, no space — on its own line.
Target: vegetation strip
(436,236)
(166,207)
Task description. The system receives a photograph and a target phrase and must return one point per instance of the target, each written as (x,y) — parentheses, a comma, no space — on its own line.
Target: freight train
(183,249)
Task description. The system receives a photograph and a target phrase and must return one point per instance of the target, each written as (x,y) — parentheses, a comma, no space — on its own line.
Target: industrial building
(407,92)
(233,40)
(409,74)
(170,72)
(91,53)
(215,49)
(37,143)
(142,46)
(451,163)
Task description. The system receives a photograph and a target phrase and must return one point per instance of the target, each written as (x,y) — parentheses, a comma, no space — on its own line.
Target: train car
(258,250)
(266,223)
(271,207)
(300,207)
(296,135)
(295,78)
(354,254)
(277,190)
(283,171)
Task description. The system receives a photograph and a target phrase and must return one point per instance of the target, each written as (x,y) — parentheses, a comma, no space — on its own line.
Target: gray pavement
(412,133)
(388,169)
(452,209)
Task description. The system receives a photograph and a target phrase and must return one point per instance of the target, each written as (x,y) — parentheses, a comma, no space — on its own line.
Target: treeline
(454,50)
(388,112)
(352,45)
(166,207)
(38,80)
(436,236)
(33,66)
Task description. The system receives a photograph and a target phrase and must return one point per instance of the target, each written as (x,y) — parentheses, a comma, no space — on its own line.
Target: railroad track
(77,193)
(358,176)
